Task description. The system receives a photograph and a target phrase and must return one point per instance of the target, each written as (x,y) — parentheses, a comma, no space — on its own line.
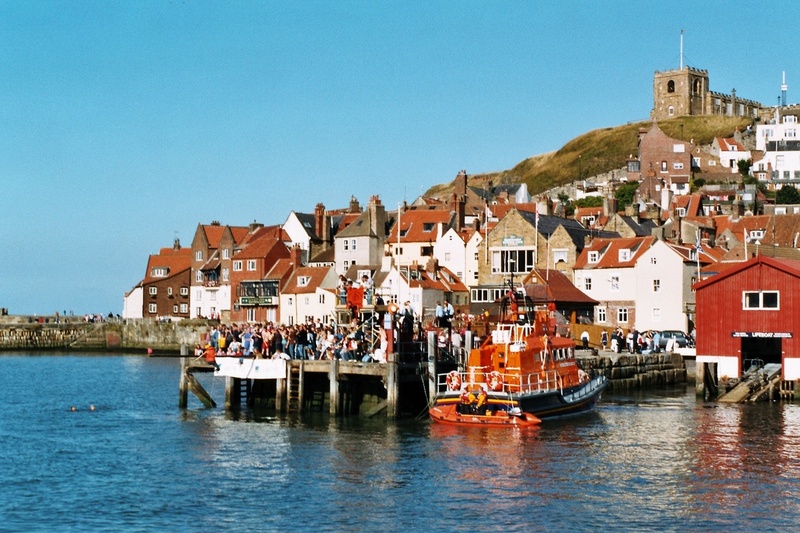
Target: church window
(671,86)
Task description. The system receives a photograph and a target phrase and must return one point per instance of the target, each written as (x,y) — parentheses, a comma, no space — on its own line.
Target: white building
(781,146)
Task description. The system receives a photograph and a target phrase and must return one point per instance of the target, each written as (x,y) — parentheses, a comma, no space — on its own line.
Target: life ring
(494,381)
(453,380)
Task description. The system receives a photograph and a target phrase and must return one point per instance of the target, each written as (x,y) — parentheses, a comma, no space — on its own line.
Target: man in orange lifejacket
(211,356)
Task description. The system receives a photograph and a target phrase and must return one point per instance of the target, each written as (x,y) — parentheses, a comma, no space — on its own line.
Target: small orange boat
(518,377)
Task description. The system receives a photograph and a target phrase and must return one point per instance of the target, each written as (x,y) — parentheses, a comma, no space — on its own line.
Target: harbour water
(656,461)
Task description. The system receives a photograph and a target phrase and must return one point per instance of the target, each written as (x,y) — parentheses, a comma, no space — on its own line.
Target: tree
(624,194)
(589,201)
(787,194)
(744,166)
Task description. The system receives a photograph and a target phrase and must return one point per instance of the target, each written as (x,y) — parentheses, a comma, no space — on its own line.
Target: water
(655,461)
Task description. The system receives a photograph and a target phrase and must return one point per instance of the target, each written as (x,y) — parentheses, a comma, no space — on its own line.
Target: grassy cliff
(597,152)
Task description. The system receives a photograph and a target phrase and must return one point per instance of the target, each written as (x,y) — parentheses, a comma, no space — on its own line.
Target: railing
(509,383)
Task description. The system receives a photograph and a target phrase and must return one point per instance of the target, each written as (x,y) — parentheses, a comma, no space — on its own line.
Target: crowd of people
(313,340)
(634,341)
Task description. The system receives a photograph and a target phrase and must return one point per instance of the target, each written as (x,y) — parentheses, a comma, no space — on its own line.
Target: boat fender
(453,380)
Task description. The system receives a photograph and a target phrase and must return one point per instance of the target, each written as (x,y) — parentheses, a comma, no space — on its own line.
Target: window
(656,314)
(671,111)
(152,308)
(225,274)
(622,315)
(321,298)
(625,255)
(175,309)
(198,276)
(614,283)
(169,291)
(677,166)
(302,281)
(517,261)
(663,166)
(426,251)
(184,308)
(653,260)
(476,256)
(756,234)
(761,300)
(198,256)
(226,253)
(251,314)
(184,291)
(560,256)
(656,285)
(427,226)
(681,211)
(447,256)
(352,244)
(237,266)
(475,276)
(153,291)
(671,86)
(346,244)
(587,284)
(633,166)
(251,265)
(601,314)
(160,272)
(594,257)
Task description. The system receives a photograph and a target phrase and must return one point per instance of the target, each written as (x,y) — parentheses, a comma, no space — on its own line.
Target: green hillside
(599,151)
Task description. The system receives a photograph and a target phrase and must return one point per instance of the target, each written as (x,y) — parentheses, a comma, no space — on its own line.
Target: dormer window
(594,257)
(681,211)
(403,232)
(160,272)
(302,281)
(756,234)
(624,255)
(427,226)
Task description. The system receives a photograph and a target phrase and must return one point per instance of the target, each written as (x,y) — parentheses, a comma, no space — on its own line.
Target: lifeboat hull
(449,414)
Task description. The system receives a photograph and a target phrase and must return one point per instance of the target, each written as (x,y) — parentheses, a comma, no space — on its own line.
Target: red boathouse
(750,312)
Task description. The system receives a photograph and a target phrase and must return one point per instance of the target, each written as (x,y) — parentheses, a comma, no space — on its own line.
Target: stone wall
(130,335)
(630,372)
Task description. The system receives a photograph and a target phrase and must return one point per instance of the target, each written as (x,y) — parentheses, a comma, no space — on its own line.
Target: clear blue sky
(125,124)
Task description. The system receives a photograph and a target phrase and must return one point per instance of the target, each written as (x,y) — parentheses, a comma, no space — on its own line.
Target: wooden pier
(398,387)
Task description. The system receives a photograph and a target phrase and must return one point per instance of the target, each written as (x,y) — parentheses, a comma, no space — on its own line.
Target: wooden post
(280,390)
(229,392)
(392,386)
(468,340)
(183,386)
(431,366)
(301,386)
(333,377)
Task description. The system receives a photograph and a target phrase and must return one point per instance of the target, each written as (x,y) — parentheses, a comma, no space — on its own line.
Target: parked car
(681,339)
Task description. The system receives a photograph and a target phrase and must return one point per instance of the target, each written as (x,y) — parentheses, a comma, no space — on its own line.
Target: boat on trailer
(519,376)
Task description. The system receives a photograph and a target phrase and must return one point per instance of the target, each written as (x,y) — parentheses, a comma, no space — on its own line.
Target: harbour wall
(639,371)
(112,336)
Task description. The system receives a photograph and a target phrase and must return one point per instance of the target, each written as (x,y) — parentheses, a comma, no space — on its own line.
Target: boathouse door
(769,350)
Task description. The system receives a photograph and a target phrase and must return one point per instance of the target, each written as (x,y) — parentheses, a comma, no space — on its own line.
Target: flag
(697,244)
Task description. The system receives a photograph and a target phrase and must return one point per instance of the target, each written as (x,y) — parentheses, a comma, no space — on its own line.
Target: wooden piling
(431,366)
(333,378)
(183,386)
(392,387)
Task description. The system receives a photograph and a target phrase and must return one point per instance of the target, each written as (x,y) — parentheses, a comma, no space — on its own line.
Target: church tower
(679,92)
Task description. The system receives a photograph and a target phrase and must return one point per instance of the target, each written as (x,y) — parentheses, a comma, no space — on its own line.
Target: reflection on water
(655,461)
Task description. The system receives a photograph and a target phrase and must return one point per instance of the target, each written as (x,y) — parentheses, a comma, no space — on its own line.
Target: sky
(124,125)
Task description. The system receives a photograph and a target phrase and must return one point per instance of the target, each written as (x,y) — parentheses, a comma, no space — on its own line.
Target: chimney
(319,221)
(377,217)
(296,257)
(176,245)
(354,206)
(255,225)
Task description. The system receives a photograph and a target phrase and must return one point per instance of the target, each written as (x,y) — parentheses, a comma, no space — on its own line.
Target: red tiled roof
(175,261)
(609,252)
(420,225)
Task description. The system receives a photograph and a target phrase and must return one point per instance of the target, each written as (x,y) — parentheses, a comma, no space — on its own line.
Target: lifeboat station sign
(513,240)
(761,335)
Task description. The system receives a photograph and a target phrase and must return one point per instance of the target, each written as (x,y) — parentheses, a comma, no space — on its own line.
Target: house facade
(605,271)
(362,241)
(164,291)
(309,296)
(213,247)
